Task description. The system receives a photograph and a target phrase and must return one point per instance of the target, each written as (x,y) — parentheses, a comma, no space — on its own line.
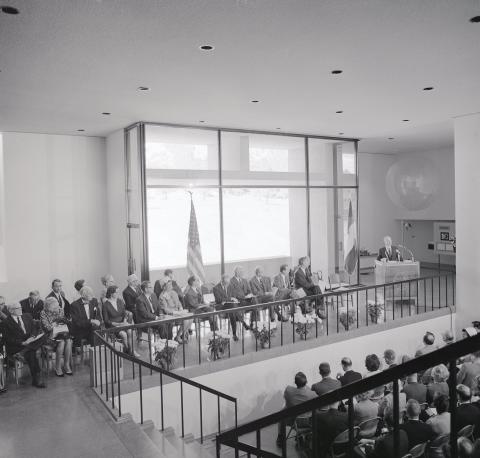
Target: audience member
(415,390)
(130,294)
(106,280)
(417,431)
(147,307)
(3,309)
(294,395)
(330,423)
(194,300)
(53,322)
(32,304)
(386,402)
(467,413)
(261,288)
(168,274)
(57,293)
(282,282)
(465,449)
(439,385)
(115,314)
(365,408)
(86,317)
(349,375)
(373,365)
(390,358)
(240,290)
(18,331)
(327,383)
(78,285)
(224,301)
(469,371)
(448,337)
(170,304)
(440,423)
(428,345)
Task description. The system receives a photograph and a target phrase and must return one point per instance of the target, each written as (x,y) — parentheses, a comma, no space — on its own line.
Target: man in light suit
(388,251)
(284,291)
(57,293)
(304,280)
(240,290)
(261,287)
(224,301)
(86,316)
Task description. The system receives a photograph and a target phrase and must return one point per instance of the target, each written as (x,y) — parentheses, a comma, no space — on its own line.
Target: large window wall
(260,199)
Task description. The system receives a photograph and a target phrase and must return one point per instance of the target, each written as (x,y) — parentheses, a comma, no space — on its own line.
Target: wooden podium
(393,271)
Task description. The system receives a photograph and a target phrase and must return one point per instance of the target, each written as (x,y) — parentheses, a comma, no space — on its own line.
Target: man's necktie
(20,323)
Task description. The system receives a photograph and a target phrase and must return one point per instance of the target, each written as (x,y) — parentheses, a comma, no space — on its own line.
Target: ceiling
(64,62)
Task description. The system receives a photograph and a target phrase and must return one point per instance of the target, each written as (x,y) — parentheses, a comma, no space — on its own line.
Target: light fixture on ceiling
(201,121)
(337,72)
(339,111)
(428,88)
(143,88)
(207,47)
(278,128)
(80,130)
(475,19)
(255,101)
(391,138)
(341,133)
(9,10)
(106,113)
(405,120)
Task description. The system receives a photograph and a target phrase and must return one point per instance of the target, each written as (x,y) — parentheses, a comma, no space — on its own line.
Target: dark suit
(130,297)
(239,288)
(34,310)
(468,414)
(416,391)
(82,328)
(330,424)
(384,446)
(64,304)
(303,279)
(392,256)
(418,432)
(349,377)
(194,304)
(14,336)
(223,301)
(325,385)
(146,311)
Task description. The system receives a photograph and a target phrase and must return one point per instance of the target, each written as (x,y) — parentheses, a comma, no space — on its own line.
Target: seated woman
(373,366)
(170,302)
(115,314)
(53,323)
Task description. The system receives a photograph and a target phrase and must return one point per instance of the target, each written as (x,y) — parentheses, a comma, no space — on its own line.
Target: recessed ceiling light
(143,88)
(475,19)
(405,120)
(207,48)
(428,88)
(80,130)
(340,133)
(278,128)
(391,138)
(337,72)
(255,101)
(201,121)
(106,113)
(9,10)
(339,111)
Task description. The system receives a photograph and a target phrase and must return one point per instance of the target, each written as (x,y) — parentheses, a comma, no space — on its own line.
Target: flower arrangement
(376,311)
(165,352)
(304,323)
(347,318)
(218,344)
(263,333)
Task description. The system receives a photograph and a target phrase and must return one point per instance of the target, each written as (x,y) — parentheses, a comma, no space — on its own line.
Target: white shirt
(20,323)
(86,305)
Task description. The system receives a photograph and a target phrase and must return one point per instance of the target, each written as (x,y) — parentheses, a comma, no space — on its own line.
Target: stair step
(159,439)
(190,450)
(137,441)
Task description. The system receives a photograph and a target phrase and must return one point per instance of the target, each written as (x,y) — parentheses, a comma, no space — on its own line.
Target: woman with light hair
(439,384)
(53,323)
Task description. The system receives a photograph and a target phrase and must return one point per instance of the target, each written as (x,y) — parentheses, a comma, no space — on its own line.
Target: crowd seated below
(424,410)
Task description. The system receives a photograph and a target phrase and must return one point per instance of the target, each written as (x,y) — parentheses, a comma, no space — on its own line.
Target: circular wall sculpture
(412,183)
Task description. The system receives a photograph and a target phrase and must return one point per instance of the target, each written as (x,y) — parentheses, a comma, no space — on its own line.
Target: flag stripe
(194,251)
(351,257)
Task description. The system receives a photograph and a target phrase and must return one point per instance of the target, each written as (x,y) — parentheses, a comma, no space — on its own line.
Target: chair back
(407,456)
(368,428)
(340,443)
(435,447)
(418,451)
(466,431)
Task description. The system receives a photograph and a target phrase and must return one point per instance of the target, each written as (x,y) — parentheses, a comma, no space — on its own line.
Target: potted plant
(304,324)
(347,318)
(263,332)
(376,311)
(165,353)
(218,344)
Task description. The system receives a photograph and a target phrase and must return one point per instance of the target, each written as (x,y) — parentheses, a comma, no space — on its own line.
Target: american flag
(351,246)
(194,251)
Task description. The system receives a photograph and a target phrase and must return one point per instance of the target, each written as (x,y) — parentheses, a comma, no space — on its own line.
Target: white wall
(467,172)
(55,212)
(259,386)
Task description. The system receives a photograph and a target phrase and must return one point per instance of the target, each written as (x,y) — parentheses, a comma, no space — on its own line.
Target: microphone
(398,255)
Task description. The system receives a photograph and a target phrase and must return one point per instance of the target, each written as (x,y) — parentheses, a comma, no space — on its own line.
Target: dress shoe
(235,338)
(59,375)
(69,373)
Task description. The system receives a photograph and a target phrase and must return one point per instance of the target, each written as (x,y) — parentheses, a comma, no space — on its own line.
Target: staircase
(145,441)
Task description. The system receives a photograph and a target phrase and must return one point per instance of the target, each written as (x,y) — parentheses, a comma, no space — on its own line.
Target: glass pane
(329,229)
(168,223)
(180,156)
(253,159)
(346,164)
(264,226)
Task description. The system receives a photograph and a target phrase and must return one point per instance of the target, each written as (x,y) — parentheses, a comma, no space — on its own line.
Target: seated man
(32,305)
(281,281)
(261,287)
(194,300)
(440,423)
(469,370)
(130,294)
(224,302)
(390,358)
(304,280)
(294,395)
(415,390)
(3,309)
(429,345)
(330,423)
(389,251)
(349,375)
(57,293)
(467,413)
(169,276)
(146,304)
(86,317)
(19,331)
(327,383)
(240,290)
(417,431)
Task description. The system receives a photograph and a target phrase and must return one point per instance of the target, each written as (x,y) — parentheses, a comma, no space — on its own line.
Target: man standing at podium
(389,252)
